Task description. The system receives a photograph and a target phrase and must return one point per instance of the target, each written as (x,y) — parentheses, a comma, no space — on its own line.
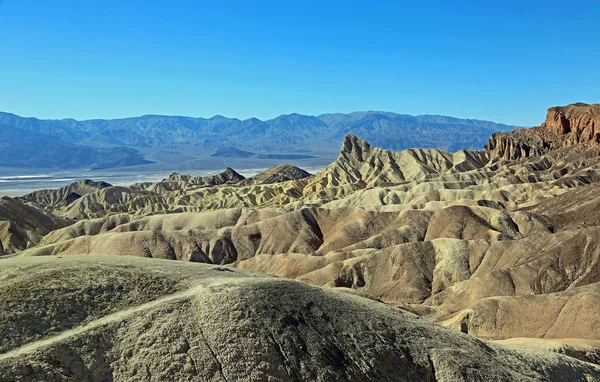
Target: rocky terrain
(377,254)
(143,319)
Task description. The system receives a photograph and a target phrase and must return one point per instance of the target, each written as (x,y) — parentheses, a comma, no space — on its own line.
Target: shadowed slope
(238,326)
(23,225)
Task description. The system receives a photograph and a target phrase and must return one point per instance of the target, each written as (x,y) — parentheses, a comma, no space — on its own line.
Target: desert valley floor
(411,265)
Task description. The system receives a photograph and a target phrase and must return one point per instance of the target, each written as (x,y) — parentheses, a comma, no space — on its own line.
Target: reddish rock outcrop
(576,124)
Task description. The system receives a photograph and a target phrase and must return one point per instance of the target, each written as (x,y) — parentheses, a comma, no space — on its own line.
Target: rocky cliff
(572,124)
(575,124)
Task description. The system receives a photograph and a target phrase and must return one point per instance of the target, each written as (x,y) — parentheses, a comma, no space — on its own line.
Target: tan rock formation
(277,174)
(23,225)
(65,195)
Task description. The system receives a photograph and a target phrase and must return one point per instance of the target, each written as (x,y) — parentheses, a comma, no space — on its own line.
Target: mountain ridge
(219,116)
(269,139)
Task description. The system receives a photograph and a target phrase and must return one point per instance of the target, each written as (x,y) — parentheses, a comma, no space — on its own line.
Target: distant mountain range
(67,143)
(23,148)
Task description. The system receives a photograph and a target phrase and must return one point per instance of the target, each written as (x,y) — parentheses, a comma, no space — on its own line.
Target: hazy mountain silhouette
(92,143)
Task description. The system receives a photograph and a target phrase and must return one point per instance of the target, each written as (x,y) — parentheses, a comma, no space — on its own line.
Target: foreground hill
(144,319)
(114,143)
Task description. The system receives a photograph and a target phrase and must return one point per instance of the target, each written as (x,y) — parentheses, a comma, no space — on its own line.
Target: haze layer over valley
(420,264)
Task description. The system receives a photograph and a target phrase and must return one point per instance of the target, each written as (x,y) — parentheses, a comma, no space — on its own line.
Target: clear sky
(506,61)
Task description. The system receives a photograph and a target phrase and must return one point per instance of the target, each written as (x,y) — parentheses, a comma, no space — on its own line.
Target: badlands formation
(411,265)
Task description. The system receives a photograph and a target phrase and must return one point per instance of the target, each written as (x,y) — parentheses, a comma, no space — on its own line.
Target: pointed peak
(351,140)
(231,174)
(93,183)
(354,146)
(354,138)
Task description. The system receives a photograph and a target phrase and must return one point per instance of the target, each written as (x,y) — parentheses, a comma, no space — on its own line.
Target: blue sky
(506,61)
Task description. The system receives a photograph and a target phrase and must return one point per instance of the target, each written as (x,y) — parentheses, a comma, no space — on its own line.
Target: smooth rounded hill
(65,195)
(144,319)
(229,175)
(277,174)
